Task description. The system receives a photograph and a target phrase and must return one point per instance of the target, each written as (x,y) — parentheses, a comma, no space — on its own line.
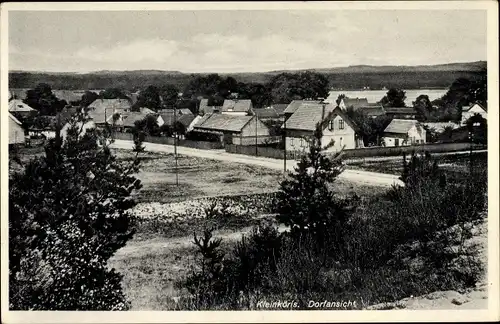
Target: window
(330,125)
(291,141)
(341,124)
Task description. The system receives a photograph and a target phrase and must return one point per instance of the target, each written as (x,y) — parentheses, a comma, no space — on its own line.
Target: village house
(128,120)
(181,122)
(372,111)
(295,104)
(338,129)
(204,108)
(404,132)
(108,111)
(237,107)
(354,103)
(471,110)
(401,112)
(234,129)
(16,131)
(268,113)
(18,108)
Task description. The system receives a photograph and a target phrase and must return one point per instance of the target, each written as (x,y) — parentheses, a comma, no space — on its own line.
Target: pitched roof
(68,95)
(279,108)
(205,108)
(355,102)
(307,115)
(339,112)
(266,113)
(467,108)
(16,105)
(130,118)
(146,111)
(295,104)
(220,122)
(169,119)
(243,105)
(400,126)
(15,119)
(372,110)
(184,111)
(110,104)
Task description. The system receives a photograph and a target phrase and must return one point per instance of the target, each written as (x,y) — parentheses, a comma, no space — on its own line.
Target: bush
(68,214)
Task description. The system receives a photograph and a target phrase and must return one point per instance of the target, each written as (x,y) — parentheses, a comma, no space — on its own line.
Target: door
(396,142)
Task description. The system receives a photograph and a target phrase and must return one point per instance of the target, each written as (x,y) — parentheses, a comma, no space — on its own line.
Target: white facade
(336,131)
(413,137)
(475,109)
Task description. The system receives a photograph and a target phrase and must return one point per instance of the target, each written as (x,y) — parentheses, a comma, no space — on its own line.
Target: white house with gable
(469,111)
(338,128)
(404,132)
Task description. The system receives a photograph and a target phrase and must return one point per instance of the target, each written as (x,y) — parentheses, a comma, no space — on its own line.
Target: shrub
(306,204)
(67,216)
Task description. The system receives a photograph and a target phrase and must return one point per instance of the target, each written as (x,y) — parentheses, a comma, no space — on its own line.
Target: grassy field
(452,163)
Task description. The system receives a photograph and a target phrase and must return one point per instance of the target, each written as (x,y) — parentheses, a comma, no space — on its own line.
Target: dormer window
(330,125)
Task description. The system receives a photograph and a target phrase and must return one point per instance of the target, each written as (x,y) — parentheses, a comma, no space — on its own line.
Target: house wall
(16,132)
(296,140)
(476,109)
(249,128)
(343,138)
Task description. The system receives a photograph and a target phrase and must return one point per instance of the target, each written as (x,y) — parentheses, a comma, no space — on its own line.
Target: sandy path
(364,177)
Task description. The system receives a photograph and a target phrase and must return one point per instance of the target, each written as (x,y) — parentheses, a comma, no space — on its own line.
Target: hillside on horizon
(350,77)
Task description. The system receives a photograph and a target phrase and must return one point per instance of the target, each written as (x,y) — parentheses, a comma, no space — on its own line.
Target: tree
(257,92)
(169,95)
(423,107)
(394,98)
(286,87)
(372,129)
(42,99)
(113,93)
(68,214)
(88,97)
(478,128)
(149,98)
(306,204)
(148,125)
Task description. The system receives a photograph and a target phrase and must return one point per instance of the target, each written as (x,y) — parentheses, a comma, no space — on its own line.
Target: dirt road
(365,177)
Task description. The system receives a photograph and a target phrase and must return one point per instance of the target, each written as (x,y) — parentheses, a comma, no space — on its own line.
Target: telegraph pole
(284,143)
(256,148)
(175,147)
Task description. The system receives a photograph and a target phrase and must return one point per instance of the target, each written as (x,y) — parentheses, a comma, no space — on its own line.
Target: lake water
(376,95)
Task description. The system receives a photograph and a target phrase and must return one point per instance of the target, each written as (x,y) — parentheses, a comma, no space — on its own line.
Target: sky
(241,41)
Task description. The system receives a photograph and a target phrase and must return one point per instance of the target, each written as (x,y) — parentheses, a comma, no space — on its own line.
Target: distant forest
(349,78)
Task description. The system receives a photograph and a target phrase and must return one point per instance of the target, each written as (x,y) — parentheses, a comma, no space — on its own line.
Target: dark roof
(355,102)
(400,126)
(243,105)
(372,110)
(266,113)
(295,104)
(220,122)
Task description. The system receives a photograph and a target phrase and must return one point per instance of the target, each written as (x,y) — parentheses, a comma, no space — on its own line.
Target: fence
(170,141)
(356,153)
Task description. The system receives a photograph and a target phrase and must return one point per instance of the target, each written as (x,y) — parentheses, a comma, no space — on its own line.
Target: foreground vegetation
(322,243)
(409,243)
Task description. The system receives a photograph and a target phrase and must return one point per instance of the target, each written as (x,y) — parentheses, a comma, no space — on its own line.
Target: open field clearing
(201,177)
